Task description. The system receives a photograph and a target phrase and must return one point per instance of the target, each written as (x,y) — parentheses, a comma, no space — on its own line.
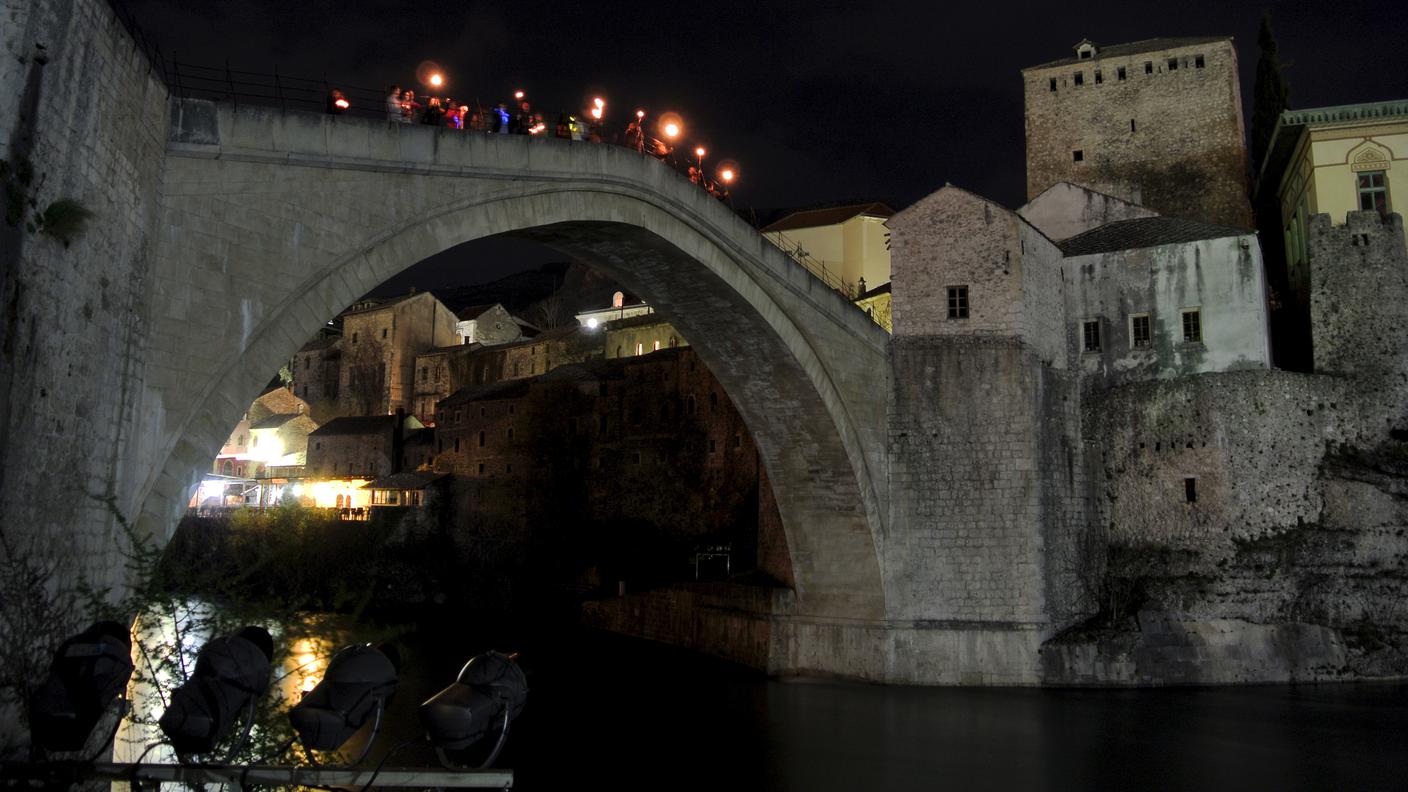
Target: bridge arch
(296,215)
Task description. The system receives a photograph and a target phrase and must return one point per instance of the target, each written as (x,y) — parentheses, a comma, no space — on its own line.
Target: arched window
(674,341)
(227,468)
(618,300)
(657,346)
(339,501)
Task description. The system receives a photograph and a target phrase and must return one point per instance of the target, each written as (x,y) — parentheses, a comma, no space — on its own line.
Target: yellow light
(437,80)
(343,103)
(596,113)
(517,94)
(640,114)
(699,152)
(672,130)
(727,174)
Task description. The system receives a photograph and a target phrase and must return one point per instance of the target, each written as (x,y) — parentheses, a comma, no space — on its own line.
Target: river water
(615,713)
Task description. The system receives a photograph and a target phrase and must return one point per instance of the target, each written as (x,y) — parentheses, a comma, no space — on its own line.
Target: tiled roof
(474,311)
(1143,232)
(356,424)
(406,480)
(1133,48)
(274,421)
(814,218)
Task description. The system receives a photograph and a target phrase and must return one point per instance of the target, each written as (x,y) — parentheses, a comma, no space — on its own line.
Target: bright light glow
(672,130)
(537,129)
(437,80)
(517,94)
(640,114)
(699,152)
(599,102)
(592,323)
(212,488)
(297,490)
(596,113)
(727,174)
(342,103)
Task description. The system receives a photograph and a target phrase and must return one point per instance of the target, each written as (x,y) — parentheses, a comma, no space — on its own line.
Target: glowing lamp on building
(437,80)
(518,95)
(640,114)
(592,323)
(342,104)
(728,175)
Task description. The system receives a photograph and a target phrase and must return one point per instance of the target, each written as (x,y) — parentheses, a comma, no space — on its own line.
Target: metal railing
(799,254)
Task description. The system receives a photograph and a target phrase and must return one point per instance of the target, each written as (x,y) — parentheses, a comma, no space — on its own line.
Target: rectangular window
(1131,125)
(1373,192)
(1080,78)
(958,302)
(1192,326)
(1053,84)
(481,468)
(383,332)
(1078,155)
(1099,78)
(1148,67)
(1120,74)
(1199,62)
(1173,64)
(1190,489)
(1090,335)
(1139,335)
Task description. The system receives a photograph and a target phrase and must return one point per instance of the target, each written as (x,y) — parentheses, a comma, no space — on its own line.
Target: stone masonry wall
(1184,155)
(90,117)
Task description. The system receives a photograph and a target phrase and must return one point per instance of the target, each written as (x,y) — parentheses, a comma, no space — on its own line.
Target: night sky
(817,101)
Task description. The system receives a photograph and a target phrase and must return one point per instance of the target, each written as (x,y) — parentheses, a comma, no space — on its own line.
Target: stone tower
(1156,122)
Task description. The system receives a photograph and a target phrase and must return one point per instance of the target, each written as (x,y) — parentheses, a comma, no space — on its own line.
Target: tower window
(1139,335)
(1131,125)
(1080,78)
(1053,84)
(1198,61)
(1190,489)
(1173,64)
(1148,67)
(1373,192)
(1192,326)
(1090,335)
(1120,74)
(958,302)
(1078,155)
(1099,78)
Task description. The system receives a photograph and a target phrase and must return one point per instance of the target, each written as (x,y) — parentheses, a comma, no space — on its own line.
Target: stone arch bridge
(273,222)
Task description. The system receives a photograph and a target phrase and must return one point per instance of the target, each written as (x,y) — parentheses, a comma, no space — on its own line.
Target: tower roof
(1132,48)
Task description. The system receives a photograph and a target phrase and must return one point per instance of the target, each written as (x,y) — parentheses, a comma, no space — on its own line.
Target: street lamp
(437,79)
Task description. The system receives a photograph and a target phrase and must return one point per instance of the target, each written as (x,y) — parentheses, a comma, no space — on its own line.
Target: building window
(618,300)
(1078,155)
(1190,489)
(457,444)
(383,332)
(713,402)
(1192,326)
(1099,78)
(689,405)
(1373,192)
(1131,125)
(1080,78)
(674,341)
(958,302)
(657,347)
(508,468)
(1090,335)
(640,349)
(1199,62)
(481,439)
(354,338)
(1053,84)
(1139,335)
(738,441)
(1173,64)
(1148,67)
(1120,74)
(510,433)
(481,468)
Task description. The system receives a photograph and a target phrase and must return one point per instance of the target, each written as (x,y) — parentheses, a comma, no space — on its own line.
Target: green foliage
(64,219)
(1270,95)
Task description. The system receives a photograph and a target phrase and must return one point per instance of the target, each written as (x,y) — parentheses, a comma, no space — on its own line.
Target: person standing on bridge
(394,111)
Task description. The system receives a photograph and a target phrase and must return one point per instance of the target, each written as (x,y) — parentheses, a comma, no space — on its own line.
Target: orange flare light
(437,80)
(699,152)
(640,114)
(517,94)
(596,113)
(727,175)
(599,102)
(343,103)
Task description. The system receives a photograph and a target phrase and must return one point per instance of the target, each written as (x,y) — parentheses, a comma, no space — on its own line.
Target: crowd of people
(404,107)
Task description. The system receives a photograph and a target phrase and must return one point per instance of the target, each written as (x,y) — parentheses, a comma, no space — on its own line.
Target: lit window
(1139,335)
(1090,335)
(1373,192)
(640,349)
(958,302)
(1192,326)
(657,347)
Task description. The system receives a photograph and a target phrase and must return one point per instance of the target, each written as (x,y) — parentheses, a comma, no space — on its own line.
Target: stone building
(639,335)
(317,371)
(648,440)
(238,456)
(1157,123)
(362,446)
(622,307)
(379,346)
(487,325)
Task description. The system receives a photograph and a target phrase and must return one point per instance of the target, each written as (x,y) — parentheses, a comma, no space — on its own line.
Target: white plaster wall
(1064,210)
